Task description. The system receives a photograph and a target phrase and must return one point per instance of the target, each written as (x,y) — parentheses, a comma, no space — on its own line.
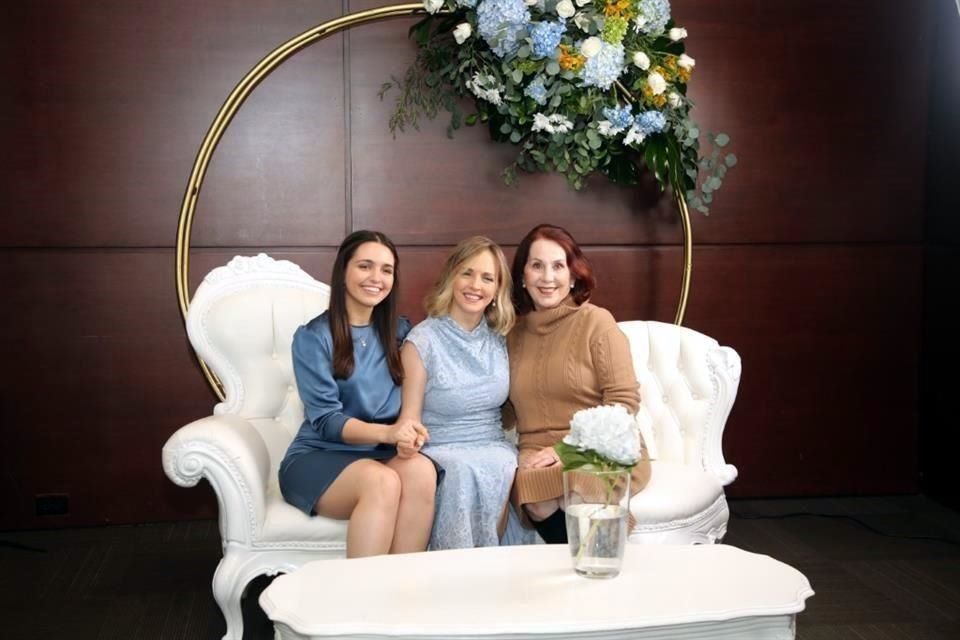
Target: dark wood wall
(810,264)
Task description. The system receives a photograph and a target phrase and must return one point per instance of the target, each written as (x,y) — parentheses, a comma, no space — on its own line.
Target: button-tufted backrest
(688,384)
(241,323)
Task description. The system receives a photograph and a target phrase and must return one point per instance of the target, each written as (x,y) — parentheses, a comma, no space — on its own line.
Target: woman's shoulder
(318,326)
(597,316)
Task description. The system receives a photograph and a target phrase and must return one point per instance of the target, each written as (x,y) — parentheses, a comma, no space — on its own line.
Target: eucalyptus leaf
(730,160)
(721,140)
(553,68)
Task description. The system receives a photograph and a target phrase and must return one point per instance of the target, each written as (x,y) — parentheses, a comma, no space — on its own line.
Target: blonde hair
(499,314)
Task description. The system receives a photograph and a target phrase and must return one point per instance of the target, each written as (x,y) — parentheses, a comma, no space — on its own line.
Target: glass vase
(596,504)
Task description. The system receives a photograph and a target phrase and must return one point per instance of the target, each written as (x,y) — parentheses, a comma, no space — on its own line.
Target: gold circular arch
(243,90)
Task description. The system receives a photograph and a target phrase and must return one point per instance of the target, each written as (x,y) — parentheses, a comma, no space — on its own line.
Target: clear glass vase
(596,504)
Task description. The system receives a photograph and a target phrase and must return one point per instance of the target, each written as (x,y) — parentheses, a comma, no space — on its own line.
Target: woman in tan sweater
(565,355)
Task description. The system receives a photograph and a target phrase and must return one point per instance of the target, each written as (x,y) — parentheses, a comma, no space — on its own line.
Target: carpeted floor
(152,582)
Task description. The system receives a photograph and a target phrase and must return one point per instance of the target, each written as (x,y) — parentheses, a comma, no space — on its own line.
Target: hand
(409,434)
(546,457)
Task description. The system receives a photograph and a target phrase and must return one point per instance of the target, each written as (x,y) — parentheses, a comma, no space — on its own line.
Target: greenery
(578,86)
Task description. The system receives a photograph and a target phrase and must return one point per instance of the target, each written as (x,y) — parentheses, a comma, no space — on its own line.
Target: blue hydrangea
(655,14)
(618,117)
(537,91)
(546,38)
(604,68)
(651,122)
(502,23)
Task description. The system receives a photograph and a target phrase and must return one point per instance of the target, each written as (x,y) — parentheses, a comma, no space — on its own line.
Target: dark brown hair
(580,271)
(384,318)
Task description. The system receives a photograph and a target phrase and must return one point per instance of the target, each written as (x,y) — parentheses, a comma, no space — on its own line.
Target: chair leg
(228,587)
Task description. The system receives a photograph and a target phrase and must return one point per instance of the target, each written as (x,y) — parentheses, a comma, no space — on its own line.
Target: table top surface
(531,589)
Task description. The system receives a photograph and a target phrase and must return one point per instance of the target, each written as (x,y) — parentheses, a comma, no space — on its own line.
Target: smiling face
(474,287)
(368,279)
(546,274)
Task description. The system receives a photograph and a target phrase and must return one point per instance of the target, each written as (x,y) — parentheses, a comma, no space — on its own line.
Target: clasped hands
(546,457)
(409,436)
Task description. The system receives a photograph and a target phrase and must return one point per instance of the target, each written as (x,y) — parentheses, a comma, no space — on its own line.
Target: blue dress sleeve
(313,369)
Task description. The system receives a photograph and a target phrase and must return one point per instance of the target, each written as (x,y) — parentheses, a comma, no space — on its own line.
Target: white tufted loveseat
(241,323)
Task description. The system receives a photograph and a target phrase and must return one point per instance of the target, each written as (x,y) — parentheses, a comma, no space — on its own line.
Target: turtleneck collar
(546,321)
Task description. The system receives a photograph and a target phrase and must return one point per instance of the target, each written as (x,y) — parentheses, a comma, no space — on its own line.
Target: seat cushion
(288,525)
(675,492)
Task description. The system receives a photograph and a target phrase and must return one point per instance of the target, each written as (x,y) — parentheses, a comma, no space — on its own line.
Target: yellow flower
(570,61)
(619,8)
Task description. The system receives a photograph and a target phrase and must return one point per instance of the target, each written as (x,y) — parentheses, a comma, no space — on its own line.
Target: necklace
(363,342)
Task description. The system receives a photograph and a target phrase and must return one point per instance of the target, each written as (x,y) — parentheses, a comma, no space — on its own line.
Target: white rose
(581,3)
(677,33)
(582,21)
(565,9)
(674,99)
(591,47)
(656,83)
(532,3)
(462,32)
(686,62)
(642,60)
(432,6)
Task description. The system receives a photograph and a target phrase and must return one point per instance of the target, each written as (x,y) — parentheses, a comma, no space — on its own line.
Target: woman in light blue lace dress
(456,378)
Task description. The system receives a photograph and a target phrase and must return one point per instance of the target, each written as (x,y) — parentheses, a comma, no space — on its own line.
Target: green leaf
(553,68)
(730,160)
(515,136)
(517,76)
(505,128)
(523,52)
(470,120)
(721,140)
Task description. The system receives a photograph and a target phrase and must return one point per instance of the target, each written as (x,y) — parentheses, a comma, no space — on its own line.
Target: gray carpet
(152,582)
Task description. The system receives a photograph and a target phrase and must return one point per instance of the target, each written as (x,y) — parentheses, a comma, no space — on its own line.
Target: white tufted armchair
(688,384)
(241,322)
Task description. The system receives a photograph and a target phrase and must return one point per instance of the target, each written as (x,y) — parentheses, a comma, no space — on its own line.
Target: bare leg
(539,511)
(367,493)
(418,479)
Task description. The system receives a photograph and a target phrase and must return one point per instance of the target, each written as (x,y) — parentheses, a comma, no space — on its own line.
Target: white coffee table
(708,591)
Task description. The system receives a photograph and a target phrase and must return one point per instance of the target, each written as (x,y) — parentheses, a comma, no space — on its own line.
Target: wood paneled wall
(810,263)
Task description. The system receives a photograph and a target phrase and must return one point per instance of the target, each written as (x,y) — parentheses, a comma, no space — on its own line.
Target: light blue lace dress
(468,379)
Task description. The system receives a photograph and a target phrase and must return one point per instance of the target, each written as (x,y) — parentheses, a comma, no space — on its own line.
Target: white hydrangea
(609,430)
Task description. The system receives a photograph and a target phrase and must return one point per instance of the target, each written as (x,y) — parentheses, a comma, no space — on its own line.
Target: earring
(523,285)
(493,304)
(573,284)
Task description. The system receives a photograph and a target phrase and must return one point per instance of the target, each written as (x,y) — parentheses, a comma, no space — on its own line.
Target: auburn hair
(581,273)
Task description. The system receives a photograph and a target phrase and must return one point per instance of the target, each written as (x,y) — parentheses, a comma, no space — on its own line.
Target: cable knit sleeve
(610,351)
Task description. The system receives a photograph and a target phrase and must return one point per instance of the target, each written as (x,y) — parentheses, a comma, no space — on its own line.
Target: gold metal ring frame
(243,90)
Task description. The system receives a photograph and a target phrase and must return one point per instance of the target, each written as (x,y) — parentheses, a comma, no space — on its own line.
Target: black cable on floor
(854,519)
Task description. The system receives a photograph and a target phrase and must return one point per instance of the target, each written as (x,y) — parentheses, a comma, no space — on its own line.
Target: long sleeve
(610,351)
(313,369)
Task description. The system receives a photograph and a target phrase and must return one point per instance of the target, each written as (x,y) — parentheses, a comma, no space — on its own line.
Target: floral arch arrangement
(579,86)
(571,138)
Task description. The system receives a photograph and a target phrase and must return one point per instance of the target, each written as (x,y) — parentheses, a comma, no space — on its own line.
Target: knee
(539,511)
(383,485)
(418,476)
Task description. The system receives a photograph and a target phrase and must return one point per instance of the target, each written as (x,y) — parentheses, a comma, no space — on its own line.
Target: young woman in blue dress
(354,458)
(457,378)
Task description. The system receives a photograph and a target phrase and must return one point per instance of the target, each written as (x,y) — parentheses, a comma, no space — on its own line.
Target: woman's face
(369,275)
(474,285)
(546,275)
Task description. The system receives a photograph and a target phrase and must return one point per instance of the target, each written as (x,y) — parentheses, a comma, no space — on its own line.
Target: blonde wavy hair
(500,314)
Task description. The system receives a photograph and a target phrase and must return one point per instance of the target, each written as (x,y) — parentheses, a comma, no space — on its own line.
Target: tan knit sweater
(563,360)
